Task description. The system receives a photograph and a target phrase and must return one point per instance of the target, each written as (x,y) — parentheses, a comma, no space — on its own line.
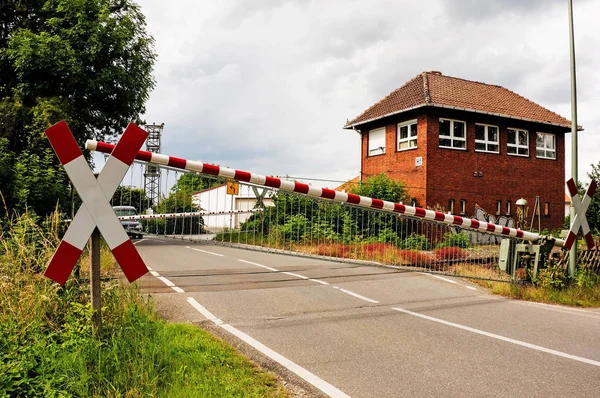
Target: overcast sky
(266,85)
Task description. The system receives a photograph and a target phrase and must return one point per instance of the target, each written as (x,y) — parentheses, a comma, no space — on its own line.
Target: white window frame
(508,207)
(545,149)
(463,206)
(450,206)
(409,138)
(379,150)
(516,144)
(451,137)
(485,140)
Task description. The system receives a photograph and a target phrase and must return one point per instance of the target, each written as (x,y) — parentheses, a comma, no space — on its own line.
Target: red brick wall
(448,173)
(399,165)
(504,177)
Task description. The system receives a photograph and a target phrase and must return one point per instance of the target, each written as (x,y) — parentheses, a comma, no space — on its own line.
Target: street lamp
(521,204)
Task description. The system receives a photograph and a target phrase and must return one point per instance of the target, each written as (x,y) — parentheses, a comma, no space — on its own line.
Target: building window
(377,142)
(486,138)
(547,208)
(407,135)
(545,146)
(451,206)
(508,207)
(452,134)
(518,142)
(498,207)
(463,207)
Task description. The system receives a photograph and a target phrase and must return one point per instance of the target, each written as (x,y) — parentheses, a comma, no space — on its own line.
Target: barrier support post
(95,282)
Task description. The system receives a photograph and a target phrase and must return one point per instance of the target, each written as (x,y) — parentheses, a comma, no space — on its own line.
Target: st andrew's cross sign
(96,210)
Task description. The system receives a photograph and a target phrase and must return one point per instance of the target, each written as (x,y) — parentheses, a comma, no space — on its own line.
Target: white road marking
(178,289)
(207,314)
(471,287)
(154,273)
(204,251)
(296,275)
(356,295)
(498,337)
(259,265)
(275,356)
(141,240)
(319,281)
(166,281)
(440,277)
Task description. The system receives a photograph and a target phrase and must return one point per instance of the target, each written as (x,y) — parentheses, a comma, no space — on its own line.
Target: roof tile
(435,89)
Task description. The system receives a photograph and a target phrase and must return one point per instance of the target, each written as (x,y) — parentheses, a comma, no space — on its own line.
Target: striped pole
(325,193)
(188,214)
(96,210)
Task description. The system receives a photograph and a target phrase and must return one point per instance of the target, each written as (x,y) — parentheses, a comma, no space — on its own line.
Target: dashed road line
(358,296)
(311,378)
(259,265)
(295,275)
(502,338)
(204,251)
(313,280)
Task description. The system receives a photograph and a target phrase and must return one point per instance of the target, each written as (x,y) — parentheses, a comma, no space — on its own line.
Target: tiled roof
(435,89)
(348,185)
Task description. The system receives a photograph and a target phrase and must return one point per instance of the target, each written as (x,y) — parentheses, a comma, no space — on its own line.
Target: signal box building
(458,144)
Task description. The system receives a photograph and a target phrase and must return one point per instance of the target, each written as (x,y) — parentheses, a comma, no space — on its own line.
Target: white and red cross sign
(580,221)
(96,210)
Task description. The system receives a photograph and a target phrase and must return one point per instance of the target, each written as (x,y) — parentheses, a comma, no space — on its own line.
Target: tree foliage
(88,62)
(593,212)
(382,187)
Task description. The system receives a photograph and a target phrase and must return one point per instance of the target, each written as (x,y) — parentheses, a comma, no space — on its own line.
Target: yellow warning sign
(233,188)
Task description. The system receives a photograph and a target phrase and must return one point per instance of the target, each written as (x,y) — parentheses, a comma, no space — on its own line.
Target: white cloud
(267,85)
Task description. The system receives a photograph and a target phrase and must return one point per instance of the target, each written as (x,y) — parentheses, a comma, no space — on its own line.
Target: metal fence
(254,217)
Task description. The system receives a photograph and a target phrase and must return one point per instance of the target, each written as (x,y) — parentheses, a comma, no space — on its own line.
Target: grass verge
(47,347)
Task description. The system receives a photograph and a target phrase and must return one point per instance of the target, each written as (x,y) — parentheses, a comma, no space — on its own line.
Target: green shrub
(416,242)
(460,239)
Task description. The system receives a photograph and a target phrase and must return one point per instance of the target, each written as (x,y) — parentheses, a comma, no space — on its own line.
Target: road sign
(96,210)
(233,188)
(580,208)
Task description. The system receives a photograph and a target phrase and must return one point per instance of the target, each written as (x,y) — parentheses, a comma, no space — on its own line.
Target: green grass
(47,346)
(573,295)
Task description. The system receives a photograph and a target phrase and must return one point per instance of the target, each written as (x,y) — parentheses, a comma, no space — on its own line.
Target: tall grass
(47,347)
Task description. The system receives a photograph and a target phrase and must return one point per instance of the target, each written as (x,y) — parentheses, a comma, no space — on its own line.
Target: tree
(192,182)
(86,61)
(127,196)
(593,212)
(382,187)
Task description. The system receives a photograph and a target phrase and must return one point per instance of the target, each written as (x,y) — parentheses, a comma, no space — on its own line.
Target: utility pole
(573,253)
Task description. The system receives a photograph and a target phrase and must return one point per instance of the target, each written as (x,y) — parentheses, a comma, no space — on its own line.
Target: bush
(554,276)
(414,257)
(460,239)
(450,253)
(416,242)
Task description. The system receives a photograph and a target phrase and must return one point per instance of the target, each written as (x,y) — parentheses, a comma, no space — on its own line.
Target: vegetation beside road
(47,346)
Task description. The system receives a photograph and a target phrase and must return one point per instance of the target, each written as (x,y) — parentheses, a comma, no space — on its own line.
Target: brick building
(458,143)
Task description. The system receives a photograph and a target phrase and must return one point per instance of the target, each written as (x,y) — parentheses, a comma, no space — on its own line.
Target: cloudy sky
(266,85)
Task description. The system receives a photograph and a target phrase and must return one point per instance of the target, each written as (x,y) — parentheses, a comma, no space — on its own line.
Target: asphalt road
(368,331)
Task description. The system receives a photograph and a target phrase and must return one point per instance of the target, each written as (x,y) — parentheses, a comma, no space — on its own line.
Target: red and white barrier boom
(580,209)
(188,214)
(96,209)
(325,193)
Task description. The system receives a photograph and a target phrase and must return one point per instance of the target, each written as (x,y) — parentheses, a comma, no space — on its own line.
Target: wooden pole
(95,282)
